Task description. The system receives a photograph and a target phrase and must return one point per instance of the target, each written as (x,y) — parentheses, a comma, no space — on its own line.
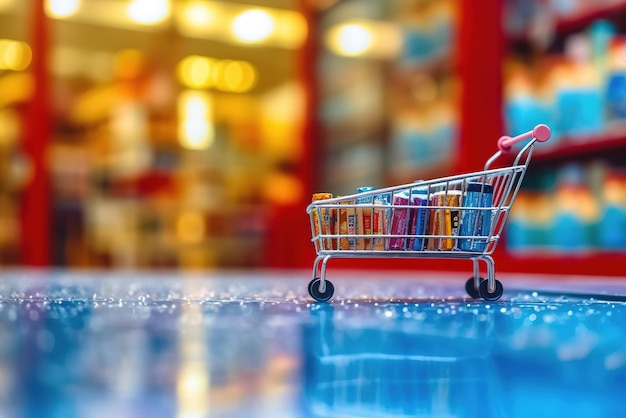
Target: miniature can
(347,226)
(399,223)
(443,220)
(379,222)
(418,219)
(364,219)
(322,222)
(476,222)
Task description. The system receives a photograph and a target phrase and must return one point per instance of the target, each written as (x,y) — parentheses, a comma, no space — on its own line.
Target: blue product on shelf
(616,96)
(569,233)
(573,200)
(612,228)
(522,111)
(580,111)
(417,46)
(442,140)
(476,222)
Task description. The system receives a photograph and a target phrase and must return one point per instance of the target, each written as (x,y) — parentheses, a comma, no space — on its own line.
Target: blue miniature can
(475,222)
(364,189)
(418,218)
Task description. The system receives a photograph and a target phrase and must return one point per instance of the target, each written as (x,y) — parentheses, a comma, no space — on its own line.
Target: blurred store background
(171,133)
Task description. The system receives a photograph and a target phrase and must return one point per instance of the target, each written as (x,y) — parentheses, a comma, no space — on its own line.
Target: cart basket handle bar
(541,133)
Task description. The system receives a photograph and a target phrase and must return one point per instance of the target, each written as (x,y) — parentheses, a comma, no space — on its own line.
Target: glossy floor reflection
(91,345)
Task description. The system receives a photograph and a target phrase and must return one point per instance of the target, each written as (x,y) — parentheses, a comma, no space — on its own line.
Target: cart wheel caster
(314,290)
(471,290)
(484,292)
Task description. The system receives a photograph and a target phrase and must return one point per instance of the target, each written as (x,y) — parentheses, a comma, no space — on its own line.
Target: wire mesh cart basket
(454,217)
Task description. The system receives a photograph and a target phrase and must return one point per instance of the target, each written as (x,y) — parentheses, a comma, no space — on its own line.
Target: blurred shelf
(582,19)
(595,263)
(601,145)
(576,21)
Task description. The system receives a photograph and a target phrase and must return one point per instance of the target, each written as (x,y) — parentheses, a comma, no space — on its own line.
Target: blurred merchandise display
(173,138)
(421,103)
(572,77)
(191,133)
(566,66)
(579,208)
(388,91)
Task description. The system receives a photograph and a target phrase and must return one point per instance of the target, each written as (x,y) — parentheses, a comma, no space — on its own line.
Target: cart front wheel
(484,291)
(471,290)
(314,290)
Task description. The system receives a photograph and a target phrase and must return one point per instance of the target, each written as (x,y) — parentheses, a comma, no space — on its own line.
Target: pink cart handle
(541,133)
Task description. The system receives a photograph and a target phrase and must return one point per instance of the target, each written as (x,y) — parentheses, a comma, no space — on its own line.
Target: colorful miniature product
(481,200)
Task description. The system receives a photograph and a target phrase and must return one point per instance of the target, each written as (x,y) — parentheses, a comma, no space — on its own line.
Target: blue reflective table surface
(254,345)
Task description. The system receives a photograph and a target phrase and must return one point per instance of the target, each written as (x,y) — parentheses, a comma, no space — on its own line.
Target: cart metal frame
(332,240)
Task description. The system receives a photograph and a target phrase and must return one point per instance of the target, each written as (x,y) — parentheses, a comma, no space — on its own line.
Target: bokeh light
(195,71)
(350,39)
(14,55)
(198,14)
(149,12)
(62,8)
(253,25)
(195,114)
(233,76)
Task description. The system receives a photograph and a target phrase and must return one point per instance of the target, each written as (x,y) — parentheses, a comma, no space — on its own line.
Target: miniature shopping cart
(455,217)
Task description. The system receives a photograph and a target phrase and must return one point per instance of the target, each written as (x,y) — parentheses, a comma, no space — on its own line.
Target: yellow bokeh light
(14,55)
(195,133)
(62,8)
(195,126)
(234,22)
(149,12)
(238,77)
(361,37)
(233,75)
(226,75)
(198,14)
(195,71)
(199,72)
(218,73)
(349,39)
(292,28)
(253,25)
(196,107)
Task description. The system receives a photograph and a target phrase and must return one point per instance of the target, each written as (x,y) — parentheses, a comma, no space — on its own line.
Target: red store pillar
(288,241)
(35,202)
(480,48)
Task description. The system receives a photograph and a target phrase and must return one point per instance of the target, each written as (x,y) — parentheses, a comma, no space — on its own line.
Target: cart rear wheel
(471,290)
(314,290)
(484,291)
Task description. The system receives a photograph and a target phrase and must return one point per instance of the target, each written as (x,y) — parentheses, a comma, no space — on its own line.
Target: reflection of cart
(397,360)
(456,217)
